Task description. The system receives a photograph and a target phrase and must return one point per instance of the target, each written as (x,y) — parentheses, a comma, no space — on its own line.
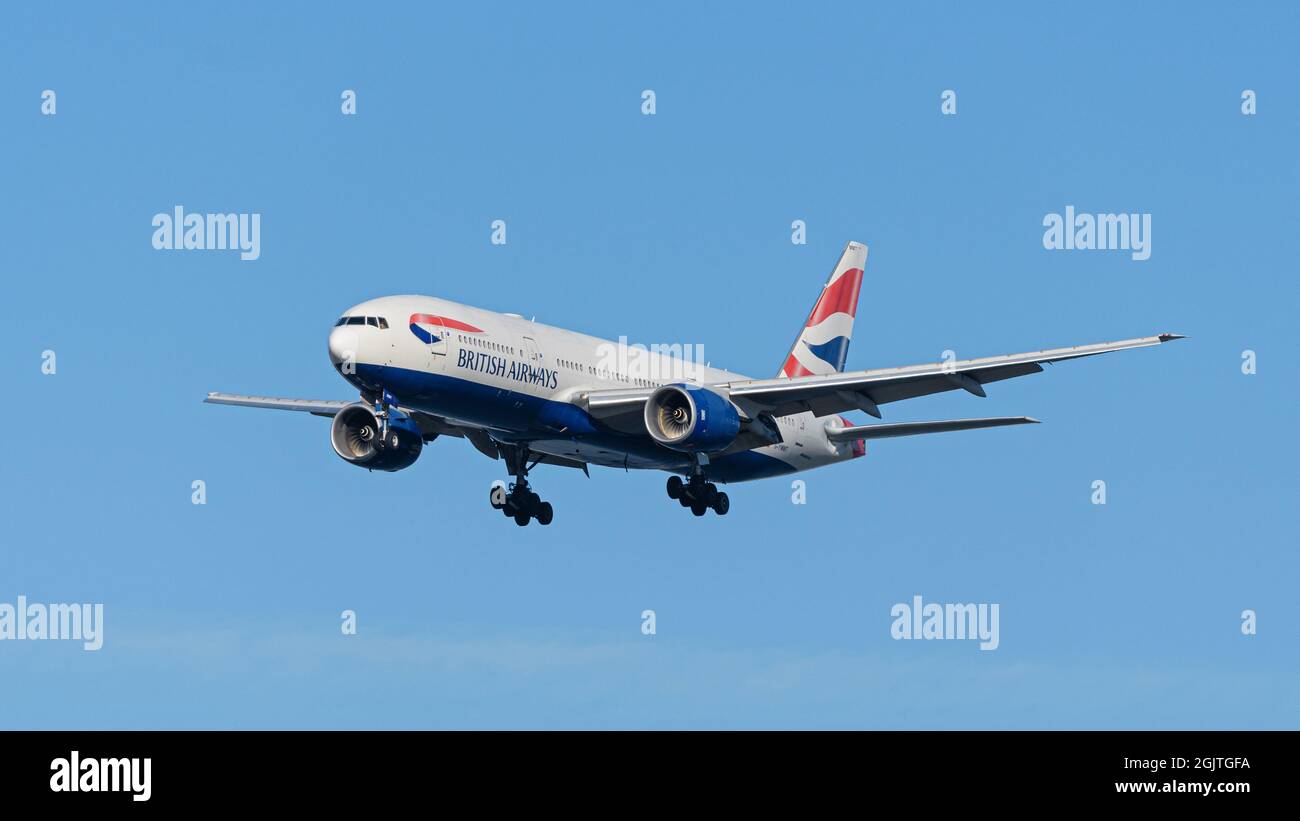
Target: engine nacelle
(356,438)
(691,419)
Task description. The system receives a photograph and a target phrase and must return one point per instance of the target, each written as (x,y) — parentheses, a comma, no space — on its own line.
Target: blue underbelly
(555,428)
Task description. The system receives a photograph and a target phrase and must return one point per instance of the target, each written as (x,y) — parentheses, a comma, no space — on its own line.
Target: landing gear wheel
(721,504)
(492,497)
(522,518)
(710,494)
(544,513)
(684,500)
(698,508)
(675,485)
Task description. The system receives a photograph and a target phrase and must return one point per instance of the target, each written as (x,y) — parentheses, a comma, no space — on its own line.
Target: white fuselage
(518,379)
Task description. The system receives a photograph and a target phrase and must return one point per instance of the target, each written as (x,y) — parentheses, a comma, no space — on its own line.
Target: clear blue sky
(670,228)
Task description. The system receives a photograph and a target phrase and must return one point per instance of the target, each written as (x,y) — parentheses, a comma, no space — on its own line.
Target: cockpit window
(372,321)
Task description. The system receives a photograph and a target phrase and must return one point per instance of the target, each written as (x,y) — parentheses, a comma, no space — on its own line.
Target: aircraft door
(429,329)
(533,356)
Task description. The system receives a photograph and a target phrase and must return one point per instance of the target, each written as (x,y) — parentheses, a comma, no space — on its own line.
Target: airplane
(529,394)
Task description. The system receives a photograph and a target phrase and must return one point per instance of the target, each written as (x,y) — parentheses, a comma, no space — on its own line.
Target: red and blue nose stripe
(438,323)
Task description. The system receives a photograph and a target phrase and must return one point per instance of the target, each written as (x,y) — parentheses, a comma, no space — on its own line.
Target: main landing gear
(518,501)
(699,495)
(522,504)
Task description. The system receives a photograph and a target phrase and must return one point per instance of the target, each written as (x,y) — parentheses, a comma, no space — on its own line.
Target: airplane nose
(343,345)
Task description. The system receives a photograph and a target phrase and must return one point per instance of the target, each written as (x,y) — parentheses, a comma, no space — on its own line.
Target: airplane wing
(865,390)
(828,394)
(317,407)
(855,432)
(431,426)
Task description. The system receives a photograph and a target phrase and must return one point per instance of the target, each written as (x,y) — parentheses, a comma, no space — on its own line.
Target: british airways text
(508,368)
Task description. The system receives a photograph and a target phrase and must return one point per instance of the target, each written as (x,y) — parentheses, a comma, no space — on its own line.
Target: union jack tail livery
(823,344)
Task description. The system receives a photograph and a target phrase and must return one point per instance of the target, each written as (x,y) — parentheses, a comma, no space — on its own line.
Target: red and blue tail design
(823,344)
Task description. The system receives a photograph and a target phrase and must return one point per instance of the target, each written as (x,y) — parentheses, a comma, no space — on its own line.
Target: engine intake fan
(360,438)
(691,419)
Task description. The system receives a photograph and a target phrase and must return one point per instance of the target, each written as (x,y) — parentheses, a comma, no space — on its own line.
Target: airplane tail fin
(823,343)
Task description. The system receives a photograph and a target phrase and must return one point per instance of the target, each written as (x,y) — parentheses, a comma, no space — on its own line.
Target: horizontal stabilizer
(852,434)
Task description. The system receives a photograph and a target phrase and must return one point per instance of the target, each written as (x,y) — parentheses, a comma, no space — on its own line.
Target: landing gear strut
(518,501)
(698,494)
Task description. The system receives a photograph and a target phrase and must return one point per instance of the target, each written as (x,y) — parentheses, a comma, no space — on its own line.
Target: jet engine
(360,438)
(691,419)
